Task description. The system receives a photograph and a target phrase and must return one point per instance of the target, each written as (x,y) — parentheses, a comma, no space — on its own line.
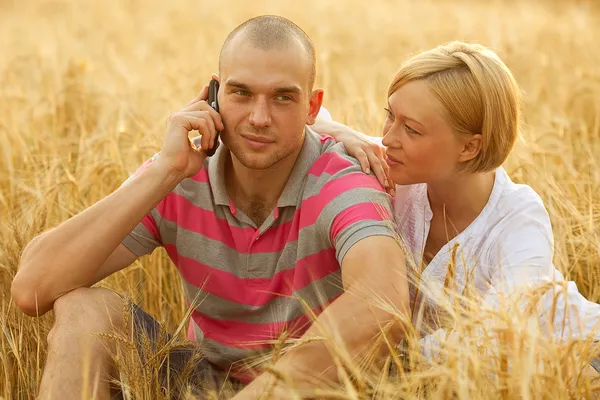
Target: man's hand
(180,155)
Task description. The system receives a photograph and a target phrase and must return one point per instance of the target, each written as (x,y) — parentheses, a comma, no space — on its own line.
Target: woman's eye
(411,130)
(388,113)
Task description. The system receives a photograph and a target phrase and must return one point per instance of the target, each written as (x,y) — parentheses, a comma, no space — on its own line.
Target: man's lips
(257,143)
(258,139)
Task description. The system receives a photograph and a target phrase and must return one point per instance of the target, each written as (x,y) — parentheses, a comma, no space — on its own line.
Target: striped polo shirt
(249,284)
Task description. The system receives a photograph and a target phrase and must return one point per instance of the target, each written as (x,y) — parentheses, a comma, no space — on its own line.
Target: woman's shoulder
(517,200)
(518,225)
(407,195)
(411,209)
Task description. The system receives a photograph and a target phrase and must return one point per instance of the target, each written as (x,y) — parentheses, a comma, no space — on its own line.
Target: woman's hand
(369,154)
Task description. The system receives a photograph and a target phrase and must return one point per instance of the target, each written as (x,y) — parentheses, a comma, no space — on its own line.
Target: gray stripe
(314,184)
(361,230)
(312,240)
(224,356)
(199,195)
(311,150)
(280,309)
(595,362)
(350,198)
(260,265)
(140,241)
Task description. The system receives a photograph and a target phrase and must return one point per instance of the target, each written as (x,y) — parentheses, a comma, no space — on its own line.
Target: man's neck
(462,198)
(256,192)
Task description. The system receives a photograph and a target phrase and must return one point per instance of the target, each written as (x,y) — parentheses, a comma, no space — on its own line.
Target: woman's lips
(393,162)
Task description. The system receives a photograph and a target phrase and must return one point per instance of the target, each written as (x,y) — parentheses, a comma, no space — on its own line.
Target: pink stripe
(150,224)
(178,209)
(201,176)
(325,138)
(243,375)
(330,163)
(254,292)
(356,213)
(245,335)
(275,238)
(313,205)
(190,333)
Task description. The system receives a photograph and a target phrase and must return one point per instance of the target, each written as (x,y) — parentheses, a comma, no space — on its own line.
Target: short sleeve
(356,207)
(145,237)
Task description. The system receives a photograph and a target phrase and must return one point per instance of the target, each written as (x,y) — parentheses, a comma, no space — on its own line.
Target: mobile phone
(213,89)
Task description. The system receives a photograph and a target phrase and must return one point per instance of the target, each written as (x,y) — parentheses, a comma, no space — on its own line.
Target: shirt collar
(216,176)
(311,150)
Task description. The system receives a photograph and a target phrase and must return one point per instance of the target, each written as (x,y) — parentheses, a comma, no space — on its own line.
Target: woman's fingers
(378,169)
(363,159)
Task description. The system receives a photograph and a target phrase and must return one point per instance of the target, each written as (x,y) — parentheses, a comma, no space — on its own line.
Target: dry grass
(85,88)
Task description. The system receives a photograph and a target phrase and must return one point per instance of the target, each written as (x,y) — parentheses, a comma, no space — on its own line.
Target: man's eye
(242,93)
(283,97)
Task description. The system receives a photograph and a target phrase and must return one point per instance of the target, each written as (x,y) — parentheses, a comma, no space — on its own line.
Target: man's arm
(375,297)
(87,247)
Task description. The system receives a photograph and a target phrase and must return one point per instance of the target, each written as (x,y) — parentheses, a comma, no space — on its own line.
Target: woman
(452,118)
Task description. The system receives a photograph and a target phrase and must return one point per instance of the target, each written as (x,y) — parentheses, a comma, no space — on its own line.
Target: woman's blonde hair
(478,92)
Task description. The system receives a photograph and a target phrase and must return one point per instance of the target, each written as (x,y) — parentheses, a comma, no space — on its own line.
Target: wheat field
(85,88)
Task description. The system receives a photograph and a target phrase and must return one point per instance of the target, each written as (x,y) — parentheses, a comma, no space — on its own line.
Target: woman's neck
(461,198)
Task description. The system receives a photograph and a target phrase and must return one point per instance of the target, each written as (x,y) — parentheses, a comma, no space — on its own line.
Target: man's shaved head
(268,32)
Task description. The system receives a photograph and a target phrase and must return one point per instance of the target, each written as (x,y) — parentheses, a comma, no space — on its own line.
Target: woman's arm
(366,149)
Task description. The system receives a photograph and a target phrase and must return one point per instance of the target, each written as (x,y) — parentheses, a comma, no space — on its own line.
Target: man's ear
(314,104)
(471,148)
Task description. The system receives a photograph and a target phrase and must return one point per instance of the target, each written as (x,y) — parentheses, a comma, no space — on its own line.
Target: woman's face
(421,145)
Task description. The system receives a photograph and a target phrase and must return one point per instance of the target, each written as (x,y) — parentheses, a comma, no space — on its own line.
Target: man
(277,215)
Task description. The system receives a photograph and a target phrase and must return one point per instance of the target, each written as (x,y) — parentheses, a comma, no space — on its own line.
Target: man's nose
(260,115)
